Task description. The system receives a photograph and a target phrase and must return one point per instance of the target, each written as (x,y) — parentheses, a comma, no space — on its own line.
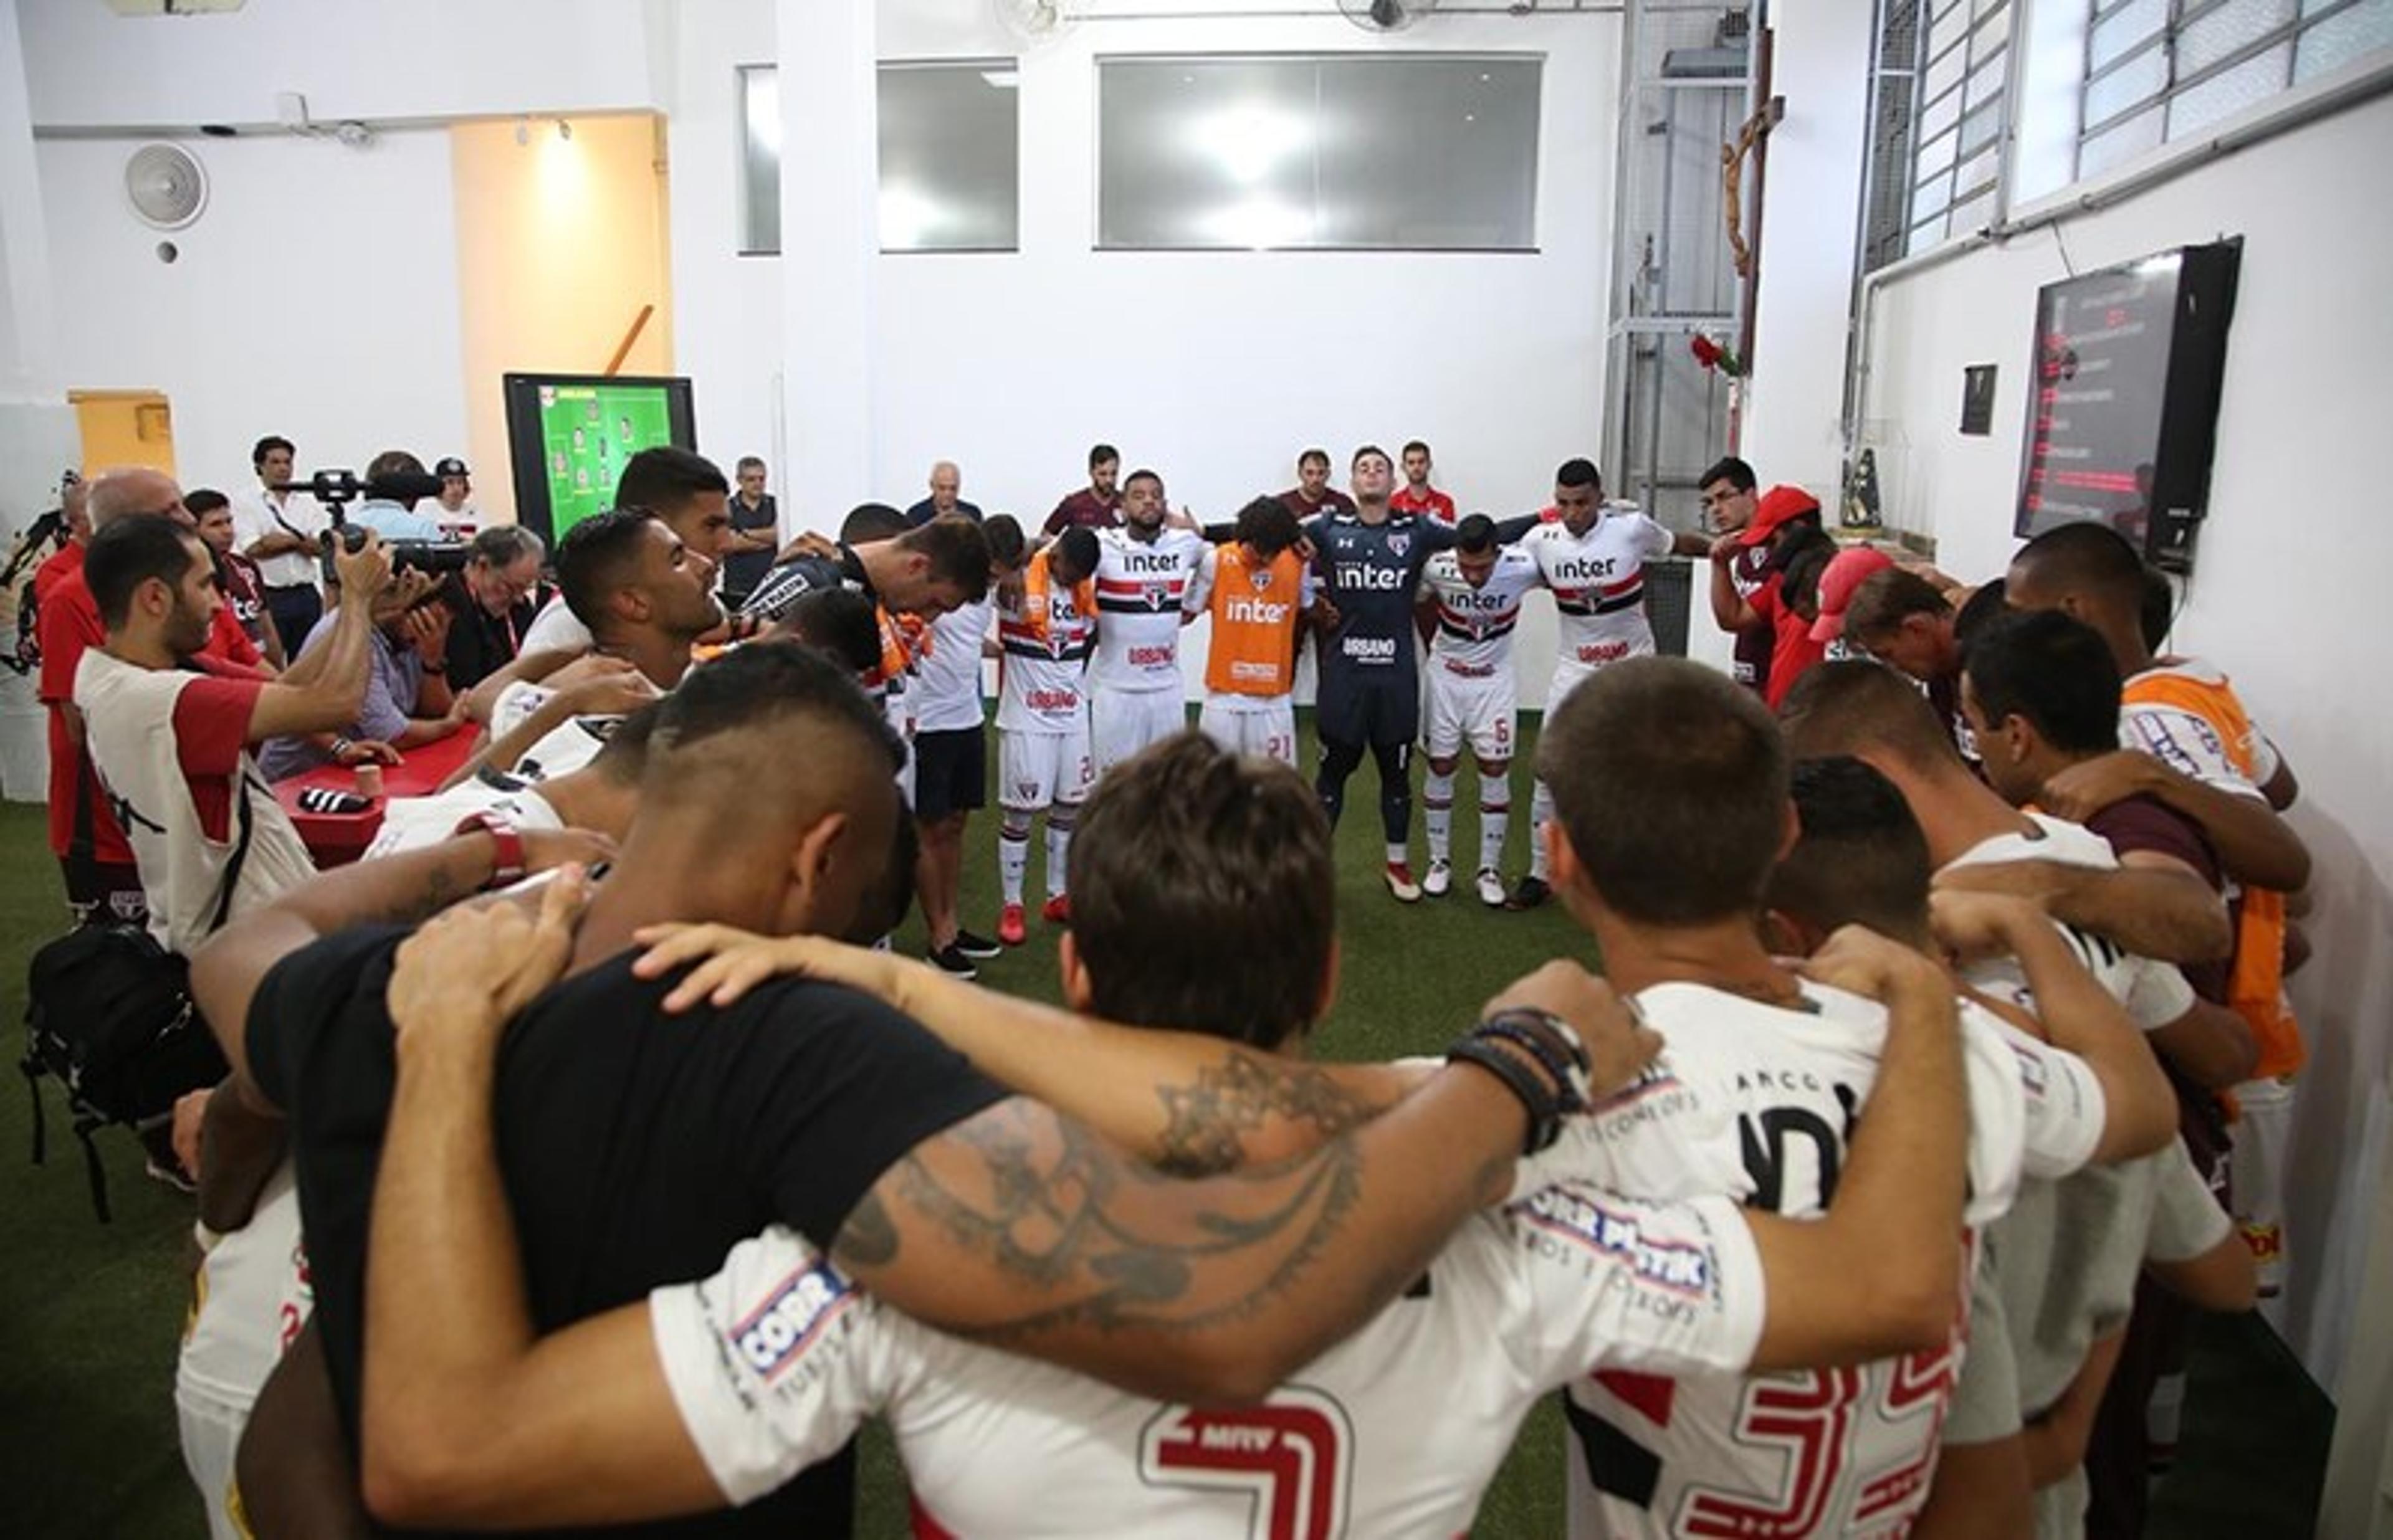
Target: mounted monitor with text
(2126,374)
(568,436)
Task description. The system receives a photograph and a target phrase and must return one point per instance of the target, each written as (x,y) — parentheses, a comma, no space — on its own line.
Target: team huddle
(619,1177)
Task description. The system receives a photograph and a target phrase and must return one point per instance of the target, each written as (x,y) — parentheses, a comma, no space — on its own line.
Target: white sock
(1059,846)
(1398,856)
(1437,812)
(1495,822)
(1012,853)
(1541,813)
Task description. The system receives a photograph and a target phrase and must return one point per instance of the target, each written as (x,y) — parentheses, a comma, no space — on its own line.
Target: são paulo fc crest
(1155,595)
(1398,545)
(1261,578)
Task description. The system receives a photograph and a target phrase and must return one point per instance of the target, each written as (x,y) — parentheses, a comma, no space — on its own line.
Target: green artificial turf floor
(89,1315)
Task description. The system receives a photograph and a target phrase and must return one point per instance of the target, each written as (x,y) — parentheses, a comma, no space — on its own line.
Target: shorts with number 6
(1038,770)
(1123,722)
(1479,711)
(1265,728)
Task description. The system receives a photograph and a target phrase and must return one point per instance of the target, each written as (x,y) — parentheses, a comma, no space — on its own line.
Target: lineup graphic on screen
(586,434)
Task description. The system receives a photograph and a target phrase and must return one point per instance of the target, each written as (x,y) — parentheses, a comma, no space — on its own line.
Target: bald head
(946,482)
(126,490)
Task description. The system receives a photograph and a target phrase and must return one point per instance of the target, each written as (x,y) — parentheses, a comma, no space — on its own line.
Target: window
(1958,117)
(950,149)
(2163,70)
(1339,152)
(950,157)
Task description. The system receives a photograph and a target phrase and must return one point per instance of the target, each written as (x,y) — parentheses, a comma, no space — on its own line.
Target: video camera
(338,489)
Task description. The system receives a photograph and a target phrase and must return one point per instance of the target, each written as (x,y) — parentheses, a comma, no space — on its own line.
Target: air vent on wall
(166,186)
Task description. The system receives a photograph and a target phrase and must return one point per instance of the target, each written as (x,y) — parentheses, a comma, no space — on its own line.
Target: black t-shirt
(637,1148)
(480,644)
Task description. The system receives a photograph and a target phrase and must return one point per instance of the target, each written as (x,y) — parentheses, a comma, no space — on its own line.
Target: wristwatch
(510,868)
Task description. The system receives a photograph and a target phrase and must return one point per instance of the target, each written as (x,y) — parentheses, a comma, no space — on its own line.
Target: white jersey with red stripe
(1041,678)
(1392,1435)
(1599,583)
(1144,589)
(1758,1103)
(1475,625)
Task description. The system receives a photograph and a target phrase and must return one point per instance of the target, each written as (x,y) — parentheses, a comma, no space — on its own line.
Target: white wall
(317,297)
(351,58)
(2289,578)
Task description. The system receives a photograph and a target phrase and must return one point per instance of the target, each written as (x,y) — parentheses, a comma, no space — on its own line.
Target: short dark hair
(2154,621)
(1885,599)
(129,552)
(1670,781)
(1728,468)
(199,501)
(1368,449)
(1412,444)
(1861,859)
(1269,526)
(869,522)
(750,686)
(665,477)
(1855,704)
(501,544)
(1219,918)
(2087,556)
(597,557)
(268,445)
(1309,456)
(2053,670)
(1578,471)
(1075,548)
(1007,546)
(624,758)
(1100,453)
(1475,534)
(959,551)
(1142,474)
(749,463)
(388,462)
(839,622)
(1981,609)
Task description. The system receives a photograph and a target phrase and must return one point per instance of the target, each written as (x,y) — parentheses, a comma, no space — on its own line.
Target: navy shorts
(950,773)
(1373,710)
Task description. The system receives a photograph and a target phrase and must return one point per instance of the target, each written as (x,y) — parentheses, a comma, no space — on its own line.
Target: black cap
(451,466)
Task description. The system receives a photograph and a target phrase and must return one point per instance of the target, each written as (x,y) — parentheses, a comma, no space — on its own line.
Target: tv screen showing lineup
(570,436)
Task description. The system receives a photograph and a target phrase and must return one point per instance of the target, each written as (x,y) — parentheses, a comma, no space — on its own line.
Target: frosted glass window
(2117,145)
(2337,40)
(951,156)
(2226,29)
(2141,79)
(2137,22)
(2222,96)
(760,160)
(1337,151)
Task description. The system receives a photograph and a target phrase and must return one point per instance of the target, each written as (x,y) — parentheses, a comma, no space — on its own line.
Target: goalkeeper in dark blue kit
(1369,565)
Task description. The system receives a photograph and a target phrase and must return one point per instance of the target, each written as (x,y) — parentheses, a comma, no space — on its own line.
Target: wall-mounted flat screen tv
(2126,374)
(569,435)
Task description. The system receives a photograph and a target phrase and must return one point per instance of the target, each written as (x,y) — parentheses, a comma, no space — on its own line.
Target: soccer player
(727,1386)
(1043,758)
(1149,583)
(1258,589)
(951,754)
(1371,560)
(1470,605)
(1728,502)
(1096,506)
(1417,495)
(1313,496)
(2196,748)
(1593,557)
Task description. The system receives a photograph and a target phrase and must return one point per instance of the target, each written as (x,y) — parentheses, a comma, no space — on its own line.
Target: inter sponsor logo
(1152,561)
(1363,575)
(795,1314)
(1671,1264)
(1581,570)
(1258,612)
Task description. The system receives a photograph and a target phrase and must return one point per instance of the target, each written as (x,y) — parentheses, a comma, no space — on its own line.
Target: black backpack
(108,1014)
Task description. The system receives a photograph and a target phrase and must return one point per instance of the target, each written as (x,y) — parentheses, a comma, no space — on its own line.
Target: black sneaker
(949,959)
(1531,893)
(971,945)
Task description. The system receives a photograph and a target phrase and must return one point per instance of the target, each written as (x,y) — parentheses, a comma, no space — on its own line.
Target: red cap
(1777,507)
(1844,573)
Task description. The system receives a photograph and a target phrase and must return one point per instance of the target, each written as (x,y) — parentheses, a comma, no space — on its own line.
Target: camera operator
(394,518)
(237,576)
(278,531)
(407,700)
(491,602)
